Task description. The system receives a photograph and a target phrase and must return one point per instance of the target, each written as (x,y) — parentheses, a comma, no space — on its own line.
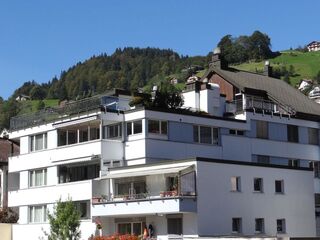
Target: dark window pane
(174,226)
(205,135)
(293,135)
(72,136)
(129,128)
(137,127)
(164,127)
(195,133)
(154,126)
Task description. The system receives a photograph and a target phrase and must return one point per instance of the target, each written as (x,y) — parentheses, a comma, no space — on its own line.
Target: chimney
(217,60)
(267,71)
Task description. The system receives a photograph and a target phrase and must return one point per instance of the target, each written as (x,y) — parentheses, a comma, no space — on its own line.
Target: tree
(40,105)
(64,222)
(37,93)
(7,215)
(317,78)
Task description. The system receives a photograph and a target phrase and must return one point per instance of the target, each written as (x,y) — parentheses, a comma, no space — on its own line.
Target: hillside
(305,64)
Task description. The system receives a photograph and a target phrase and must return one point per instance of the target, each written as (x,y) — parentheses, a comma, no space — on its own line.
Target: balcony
(254,103)
(164,203)
(145,190)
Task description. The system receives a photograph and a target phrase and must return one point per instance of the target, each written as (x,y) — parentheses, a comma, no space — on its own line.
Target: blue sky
(39,39)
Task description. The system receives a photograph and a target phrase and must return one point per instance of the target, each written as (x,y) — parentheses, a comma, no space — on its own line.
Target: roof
(6,148)
(277,90)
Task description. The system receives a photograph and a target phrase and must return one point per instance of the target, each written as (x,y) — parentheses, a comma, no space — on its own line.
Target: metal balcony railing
(252,103)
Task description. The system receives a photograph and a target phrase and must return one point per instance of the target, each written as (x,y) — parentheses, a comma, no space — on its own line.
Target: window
(62,137)
(135,228)
(259,225)
(78,173)
(263,159)
(293,134)
(134,127)
(188,184)
(94,133)
(236,132)
(294,162)
(236,225)
(113,131)
(235,184)
(313,136)
(281,225)
(157,127)
(83,209)
(38,177)
(262,129)
(279,188)
(258,184)
(38,142)
(316,169)
(174,224)
(66,137)
(72,137)
(38,214)
(83,135)
(206,135)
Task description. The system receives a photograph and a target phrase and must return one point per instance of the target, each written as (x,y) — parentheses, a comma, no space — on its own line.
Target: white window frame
(160,126)
(282,186)
(31,214)
(214,141)
(132,127)
(261,185)
(32,138)
(283,225)
(237,181)
(32,177)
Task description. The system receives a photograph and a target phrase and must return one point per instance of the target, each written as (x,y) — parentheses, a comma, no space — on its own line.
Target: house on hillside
(313,46)
(304,84)
(22,97)
(240,159)
(314,94)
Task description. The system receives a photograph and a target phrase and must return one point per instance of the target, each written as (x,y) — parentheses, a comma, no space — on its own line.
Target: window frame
(132,127)
(262,129)
(160,126)
(32,177)
(33,142)
(283,225)
(262,230)
(282,186)
(237,186)
(31,214)
(236,222)
(260,180)
(214,135)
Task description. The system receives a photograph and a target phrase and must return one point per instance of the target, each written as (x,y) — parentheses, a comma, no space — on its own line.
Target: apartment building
(236,160)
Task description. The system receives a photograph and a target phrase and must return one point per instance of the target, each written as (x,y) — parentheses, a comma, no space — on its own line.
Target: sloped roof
(276,89)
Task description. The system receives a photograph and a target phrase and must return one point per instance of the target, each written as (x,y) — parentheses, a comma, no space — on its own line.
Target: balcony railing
(252,103)
(139,196)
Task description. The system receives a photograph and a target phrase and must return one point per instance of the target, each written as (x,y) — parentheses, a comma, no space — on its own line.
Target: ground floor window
(134,228)
(38,214)
(174,224)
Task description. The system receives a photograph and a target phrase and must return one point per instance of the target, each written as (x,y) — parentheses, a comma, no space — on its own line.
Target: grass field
(306,65)
(31,106)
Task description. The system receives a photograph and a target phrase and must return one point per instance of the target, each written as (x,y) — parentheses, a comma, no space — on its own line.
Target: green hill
(305,64)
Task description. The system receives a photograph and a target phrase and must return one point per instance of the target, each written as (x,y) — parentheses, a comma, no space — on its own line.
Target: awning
(143,172)
(94,158)
(74,122)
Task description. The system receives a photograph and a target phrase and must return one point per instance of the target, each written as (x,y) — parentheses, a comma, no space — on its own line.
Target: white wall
(217,205)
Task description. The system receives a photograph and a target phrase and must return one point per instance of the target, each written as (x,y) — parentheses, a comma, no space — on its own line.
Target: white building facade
(215,168)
